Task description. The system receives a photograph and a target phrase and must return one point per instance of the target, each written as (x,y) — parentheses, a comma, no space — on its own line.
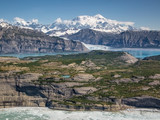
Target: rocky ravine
(18,40)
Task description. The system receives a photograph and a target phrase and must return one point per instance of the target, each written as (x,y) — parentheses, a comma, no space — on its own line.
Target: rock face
(83,77)
(18,40)
(89,36)
(127,39)
(156,76)
(129,58)
(17,90)
(84,90)
(21,90)
(157,57)
(133,79)
(143,102)
(156,82)
(138,39)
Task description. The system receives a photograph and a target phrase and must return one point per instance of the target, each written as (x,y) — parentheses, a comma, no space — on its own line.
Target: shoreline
(113,108)
(69,110)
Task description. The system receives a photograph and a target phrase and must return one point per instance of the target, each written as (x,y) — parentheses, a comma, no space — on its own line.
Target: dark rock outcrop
(90,36)
(127,39)
(18,40)
(157,57)
(143,102)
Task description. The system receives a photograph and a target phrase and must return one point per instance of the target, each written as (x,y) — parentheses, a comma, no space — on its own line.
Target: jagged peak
(81,17)
(5,24)
(2,20)
(20,21)
(58,20)
(35,21)
(99,16)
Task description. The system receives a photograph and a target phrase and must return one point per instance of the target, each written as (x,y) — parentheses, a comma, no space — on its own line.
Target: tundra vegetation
(95,80)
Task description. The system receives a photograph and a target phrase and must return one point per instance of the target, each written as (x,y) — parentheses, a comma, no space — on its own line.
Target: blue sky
(142,12)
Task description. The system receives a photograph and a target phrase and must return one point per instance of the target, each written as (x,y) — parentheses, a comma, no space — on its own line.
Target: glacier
(96,47)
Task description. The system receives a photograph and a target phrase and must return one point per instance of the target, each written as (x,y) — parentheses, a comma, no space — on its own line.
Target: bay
(136,52)
(139,52)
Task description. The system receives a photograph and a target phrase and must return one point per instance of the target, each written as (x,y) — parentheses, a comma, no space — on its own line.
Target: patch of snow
(61,33)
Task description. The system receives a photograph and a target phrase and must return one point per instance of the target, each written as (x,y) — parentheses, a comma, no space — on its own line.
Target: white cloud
(35,21)
(145,28)
(127,23)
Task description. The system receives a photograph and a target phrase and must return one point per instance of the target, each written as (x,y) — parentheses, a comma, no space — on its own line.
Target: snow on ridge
(97,22)
(3,24)
(62,27)
(20,21)
(34,21)
(2,20)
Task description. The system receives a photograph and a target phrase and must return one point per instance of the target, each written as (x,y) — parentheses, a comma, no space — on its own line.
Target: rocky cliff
(17,40)
(127,39)
(43,82)
(98,80)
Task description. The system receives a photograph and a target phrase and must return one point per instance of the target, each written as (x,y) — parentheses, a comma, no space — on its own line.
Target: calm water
(35,113)
(138,53)
(66,76)
(38,54)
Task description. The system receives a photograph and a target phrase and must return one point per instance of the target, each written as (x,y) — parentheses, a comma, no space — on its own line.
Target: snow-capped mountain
(97,22)
(4,23)
(62,27)
(33,24)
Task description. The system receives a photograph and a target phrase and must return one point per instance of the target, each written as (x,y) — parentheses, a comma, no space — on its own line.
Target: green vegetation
(53,68)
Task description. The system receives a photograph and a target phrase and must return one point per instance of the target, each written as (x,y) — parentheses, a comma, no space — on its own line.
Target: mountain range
(63,27)
(19,40)
(126,39)
(31,36)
